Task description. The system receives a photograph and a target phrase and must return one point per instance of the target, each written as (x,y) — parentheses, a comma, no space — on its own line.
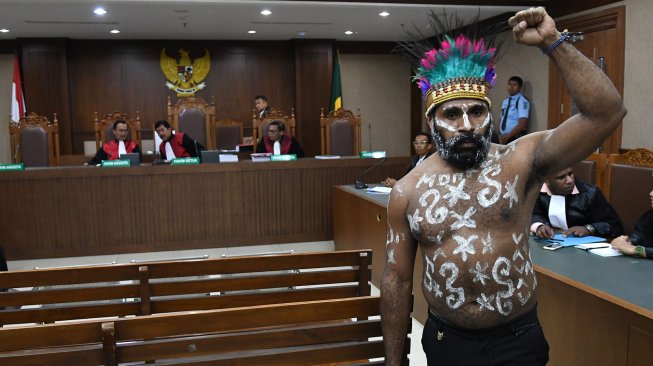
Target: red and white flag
(17,98)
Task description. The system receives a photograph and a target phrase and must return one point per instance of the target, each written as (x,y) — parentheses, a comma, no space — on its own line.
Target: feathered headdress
(460,67)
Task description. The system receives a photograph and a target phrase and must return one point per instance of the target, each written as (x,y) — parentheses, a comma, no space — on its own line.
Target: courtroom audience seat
(104,127)
(194,116)
(34,141)
(629,183)
(227,134)
(260,125)
(340,133)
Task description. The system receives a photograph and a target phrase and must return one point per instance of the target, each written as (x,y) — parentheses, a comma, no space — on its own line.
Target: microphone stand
(359,184)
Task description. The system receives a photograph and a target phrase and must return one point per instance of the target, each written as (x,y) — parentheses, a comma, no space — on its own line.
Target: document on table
(603,249)
(571,241)
(380,189)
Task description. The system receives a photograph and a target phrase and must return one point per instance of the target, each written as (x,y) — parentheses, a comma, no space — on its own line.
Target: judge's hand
(544,232)
(623,245)
(534,27)
(579,231)
(389,182)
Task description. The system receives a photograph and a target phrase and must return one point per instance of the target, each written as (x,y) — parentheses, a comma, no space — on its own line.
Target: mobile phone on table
(553,246)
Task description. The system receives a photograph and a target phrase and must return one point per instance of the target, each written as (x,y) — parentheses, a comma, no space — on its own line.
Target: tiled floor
(417,356)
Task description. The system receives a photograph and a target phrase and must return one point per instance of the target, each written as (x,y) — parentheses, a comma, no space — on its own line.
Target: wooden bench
(122,290)
(301,333)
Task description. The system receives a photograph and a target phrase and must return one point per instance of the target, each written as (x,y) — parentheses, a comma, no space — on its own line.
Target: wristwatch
(590,228)
(639,251)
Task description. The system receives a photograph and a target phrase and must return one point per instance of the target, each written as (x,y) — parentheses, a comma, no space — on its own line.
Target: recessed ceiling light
(115,31)
(99,11)
(266,12)
(251,32)
(301,34)
(384,13)
(4,30)
(349,32)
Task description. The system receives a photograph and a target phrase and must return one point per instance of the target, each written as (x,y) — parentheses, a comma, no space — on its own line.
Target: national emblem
(185,77)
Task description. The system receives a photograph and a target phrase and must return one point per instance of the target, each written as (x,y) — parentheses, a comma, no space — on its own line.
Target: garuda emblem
(185,77)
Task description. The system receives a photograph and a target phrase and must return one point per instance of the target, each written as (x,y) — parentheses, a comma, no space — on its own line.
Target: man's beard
(469,158)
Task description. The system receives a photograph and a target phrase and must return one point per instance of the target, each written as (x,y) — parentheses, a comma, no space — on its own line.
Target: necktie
(121,148)
(505,117)
(277,148)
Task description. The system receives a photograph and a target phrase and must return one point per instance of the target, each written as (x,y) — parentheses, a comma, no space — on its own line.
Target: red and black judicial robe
(182,145)
(109,151)
(289,145)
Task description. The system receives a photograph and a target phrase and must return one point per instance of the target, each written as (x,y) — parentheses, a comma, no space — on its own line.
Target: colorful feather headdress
(460,67)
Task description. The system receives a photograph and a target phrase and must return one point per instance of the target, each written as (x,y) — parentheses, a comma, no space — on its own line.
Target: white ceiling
(223,20)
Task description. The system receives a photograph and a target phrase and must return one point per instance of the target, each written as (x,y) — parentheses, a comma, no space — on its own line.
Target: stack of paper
(327,156)
(603,249)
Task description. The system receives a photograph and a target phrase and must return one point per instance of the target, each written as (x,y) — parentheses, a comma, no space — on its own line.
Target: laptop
(133,158)
(210,156)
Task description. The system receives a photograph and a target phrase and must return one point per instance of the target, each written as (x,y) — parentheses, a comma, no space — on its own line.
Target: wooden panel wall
(77,78)
(77,211)
(45,79)
(314,68)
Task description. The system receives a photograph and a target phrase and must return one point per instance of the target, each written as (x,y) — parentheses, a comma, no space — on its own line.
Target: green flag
(336,85)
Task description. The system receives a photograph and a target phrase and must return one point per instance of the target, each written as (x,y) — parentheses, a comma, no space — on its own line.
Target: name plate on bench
(116,163)
(372,154)
(283,157)
(185,161)
(11,167)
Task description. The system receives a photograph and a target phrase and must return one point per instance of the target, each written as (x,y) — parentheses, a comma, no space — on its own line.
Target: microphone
(359,184)
(16,152)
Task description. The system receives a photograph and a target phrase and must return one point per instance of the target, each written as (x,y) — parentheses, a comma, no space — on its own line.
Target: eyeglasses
(420,142)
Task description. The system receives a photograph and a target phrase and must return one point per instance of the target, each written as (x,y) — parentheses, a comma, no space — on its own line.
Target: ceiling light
(115,31)
(266,12)
(99,11)
(349,32)
(251,32)
(384,13)
(4,30)
(301,34)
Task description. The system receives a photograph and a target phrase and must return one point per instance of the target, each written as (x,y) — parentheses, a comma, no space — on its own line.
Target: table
(81,211)
(594,310)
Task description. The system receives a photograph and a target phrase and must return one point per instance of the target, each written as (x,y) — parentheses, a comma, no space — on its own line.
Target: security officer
(514,112)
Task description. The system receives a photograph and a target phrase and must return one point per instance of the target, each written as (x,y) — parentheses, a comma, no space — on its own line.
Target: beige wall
(6,76)
(380,87)
(533,67)
(638,75)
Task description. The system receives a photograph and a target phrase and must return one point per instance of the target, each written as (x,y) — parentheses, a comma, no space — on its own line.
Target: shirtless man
(468,207)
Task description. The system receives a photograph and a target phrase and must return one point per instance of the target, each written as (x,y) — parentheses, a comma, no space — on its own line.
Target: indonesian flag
(17,98)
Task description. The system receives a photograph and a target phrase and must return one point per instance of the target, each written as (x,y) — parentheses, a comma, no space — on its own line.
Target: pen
(588,249)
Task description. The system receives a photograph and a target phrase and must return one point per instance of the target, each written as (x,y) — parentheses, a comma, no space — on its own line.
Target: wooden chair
(260,125)
(34,141)
(629,182)
(340,133)
(104,127)
(226,134)
(194,116)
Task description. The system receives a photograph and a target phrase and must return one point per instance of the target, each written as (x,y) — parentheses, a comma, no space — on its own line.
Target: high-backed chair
(260,125)
(340,133)
(226,134)
(194,116)
(104,127)
(34,141)
(629,183)
(592,170)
